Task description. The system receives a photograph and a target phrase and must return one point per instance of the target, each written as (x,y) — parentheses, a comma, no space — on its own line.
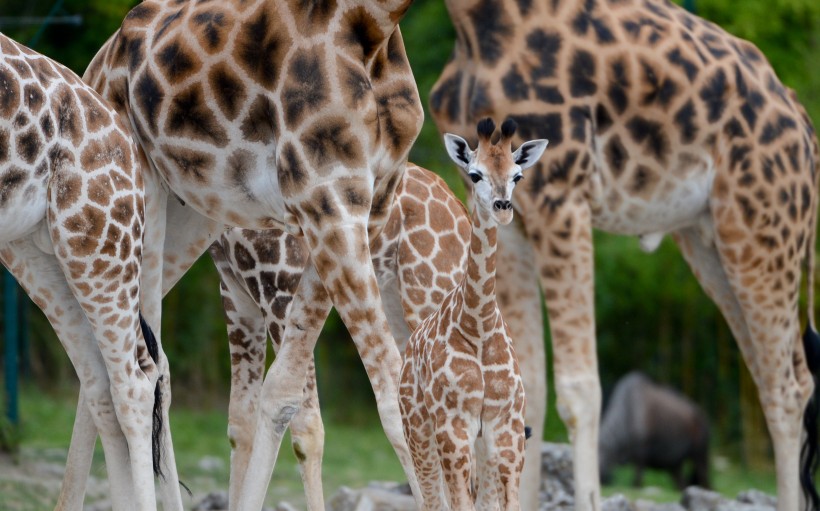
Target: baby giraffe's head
(494,168)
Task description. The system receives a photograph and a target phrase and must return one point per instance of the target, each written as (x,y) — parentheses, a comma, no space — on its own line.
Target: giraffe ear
(458,149)
(530,152)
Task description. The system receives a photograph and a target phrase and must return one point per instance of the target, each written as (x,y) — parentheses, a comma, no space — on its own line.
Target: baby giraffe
(461,395)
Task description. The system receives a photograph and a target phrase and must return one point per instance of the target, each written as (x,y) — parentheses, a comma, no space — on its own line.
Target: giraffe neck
(479,281)
(480,29)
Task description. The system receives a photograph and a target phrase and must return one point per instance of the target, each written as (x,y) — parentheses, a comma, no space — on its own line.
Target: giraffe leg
(765,326)
(308,439)
(519,298)
(79,459)
(488,486)
(246,330)
(455,437)
(283,388)
(341,256)
(564,253)
(43,279)
(420,436)
(247,341)
(108,292)
(175,237)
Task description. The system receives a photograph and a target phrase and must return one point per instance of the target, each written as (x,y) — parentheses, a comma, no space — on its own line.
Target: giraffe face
(494,168)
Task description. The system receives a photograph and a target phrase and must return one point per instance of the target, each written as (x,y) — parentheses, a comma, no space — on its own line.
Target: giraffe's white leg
(110,300)
(519,298)
(341,255)
(43,279)
(283,388)
(78,462)
(247,341)
(175,237)
(307,434)
(771,347)
(487,484)
(567,281)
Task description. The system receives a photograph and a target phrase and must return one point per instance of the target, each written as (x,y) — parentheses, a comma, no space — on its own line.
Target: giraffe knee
(281,414)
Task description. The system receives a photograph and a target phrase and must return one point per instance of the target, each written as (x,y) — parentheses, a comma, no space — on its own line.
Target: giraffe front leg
(564,250)
(519,298)
(307,434)
(340,253)
(283,389)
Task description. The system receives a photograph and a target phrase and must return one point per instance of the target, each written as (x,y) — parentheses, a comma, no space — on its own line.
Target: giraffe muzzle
(504,205)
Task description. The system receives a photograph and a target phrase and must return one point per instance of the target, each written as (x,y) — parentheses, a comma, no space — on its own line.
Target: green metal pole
(10,305)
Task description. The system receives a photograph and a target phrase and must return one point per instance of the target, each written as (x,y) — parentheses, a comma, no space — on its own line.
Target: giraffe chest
(649,197)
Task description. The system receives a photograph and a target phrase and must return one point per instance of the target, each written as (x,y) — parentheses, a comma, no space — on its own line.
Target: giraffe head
(493,167)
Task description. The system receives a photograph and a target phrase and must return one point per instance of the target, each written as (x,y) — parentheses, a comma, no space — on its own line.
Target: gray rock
(698,499)
(377,496)
(617,503)
(648,505)
(733,505)
(214,501)
(757,497)
(557,480)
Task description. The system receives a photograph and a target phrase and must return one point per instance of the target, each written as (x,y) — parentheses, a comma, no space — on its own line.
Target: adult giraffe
(659,122)
(260,114)
(71,233)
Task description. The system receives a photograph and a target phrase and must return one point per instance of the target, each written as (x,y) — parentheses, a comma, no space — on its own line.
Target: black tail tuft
(527,432)
(156,430)
(809,454)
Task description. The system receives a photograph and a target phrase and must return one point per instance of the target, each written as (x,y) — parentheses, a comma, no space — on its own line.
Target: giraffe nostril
(502,204)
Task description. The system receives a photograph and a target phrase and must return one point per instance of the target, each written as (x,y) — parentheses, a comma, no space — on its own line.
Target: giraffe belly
(675,200)
(21,212)
(250,198)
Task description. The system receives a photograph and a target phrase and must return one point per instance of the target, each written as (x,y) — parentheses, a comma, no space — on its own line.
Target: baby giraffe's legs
(418,431)
(487,485)
(455,435)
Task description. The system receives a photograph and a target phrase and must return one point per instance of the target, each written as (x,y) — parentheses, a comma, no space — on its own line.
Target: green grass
(354,455)
(727,479)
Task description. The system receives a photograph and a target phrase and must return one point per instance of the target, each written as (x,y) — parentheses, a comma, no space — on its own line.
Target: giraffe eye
(518,178)
(475,177)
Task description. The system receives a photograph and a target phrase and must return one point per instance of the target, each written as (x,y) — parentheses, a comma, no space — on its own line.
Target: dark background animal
(654,426)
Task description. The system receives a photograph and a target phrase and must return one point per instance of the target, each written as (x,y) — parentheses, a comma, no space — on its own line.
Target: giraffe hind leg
(43,279)
(765,326)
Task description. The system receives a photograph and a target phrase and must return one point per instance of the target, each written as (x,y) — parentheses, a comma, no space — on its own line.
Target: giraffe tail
(809,456)
(156,429)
